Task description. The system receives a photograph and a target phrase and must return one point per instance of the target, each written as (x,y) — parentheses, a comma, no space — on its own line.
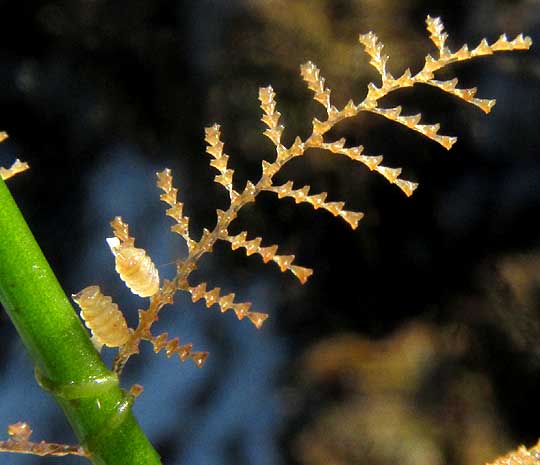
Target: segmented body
(102,317)
(135,268)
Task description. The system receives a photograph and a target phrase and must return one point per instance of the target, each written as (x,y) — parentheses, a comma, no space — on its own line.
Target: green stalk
(67,363)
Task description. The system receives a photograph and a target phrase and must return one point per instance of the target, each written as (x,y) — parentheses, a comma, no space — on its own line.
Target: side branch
(19,442)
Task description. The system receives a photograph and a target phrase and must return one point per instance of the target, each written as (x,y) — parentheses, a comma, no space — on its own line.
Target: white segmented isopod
(102,317)
(135,268)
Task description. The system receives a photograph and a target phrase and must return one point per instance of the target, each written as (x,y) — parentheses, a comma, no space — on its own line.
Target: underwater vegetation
(83,396)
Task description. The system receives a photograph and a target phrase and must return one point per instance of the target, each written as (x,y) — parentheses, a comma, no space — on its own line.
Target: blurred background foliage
(416,340)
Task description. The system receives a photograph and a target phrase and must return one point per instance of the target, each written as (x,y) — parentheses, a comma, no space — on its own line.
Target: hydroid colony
(136,268)
(139,272)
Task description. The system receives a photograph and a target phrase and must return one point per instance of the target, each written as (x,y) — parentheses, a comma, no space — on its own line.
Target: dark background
(98,95)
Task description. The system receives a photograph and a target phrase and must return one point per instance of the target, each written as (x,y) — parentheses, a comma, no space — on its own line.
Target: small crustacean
(135,268)
(102,317)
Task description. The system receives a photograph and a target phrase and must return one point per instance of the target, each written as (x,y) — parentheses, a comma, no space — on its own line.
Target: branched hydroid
(142,270)
(135,266)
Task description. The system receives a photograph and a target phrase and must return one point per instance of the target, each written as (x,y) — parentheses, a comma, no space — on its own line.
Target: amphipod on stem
(135,268)
(102,317)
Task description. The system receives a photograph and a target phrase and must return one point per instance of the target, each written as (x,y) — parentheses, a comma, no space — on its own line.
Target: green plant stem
(97,409)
